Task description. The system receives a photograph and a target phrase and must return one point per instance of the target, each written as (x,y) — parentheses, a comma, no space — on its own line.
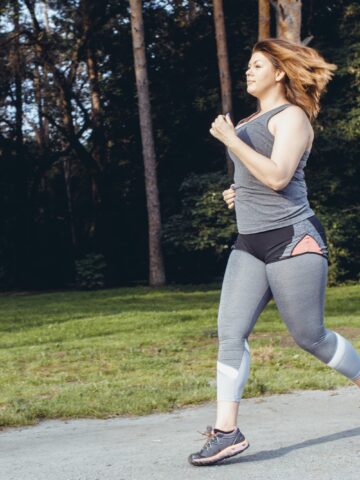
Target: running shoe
(218,447)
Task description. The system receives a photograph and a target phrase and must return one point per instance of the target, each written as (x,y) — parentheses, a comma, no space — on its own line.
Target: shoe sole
(226,453)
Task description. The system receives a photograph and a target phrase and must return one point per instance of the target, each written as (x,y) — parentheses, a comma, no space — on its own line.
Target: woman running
(281,248)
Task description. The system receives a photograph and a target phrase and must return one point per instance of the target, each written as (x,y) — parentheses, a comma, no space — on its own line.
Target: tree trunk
(46,16)
(98,129)
(288,19)
(45,77)
(264,19)
(224,70)
(41,93)
(156,264)
(18,79)
(21,157)
(67,178)
(98,139)
(40,133)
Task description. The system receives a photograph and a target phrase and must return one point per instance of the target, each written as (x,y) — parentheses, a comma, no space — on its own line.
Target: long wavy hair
(306,72)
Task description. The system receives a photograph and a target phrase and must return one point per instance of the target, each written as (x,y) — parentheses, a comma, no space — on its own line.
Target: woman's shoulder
(292,113)
(294,116)
(294,109)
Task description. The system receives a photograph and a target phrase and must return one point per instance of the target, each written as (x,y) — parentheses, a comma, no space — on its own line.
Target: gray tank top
(259,208)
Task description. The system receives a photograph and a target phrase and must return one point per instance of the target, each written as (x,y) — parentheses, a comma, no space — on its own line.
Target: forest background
(72,194)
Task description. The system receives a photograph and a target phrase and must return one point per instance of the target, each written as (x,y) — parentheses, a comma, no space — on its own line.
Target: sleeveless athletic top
(259,208)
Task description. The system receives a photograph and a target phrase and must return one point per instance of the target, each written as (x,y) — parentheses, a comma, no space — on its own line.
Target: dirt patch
(281,339)
(352,332)
(266,354)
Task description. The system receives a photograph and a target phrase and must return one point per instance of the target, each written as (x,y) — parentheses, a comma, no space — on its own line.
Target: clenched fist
(229,196)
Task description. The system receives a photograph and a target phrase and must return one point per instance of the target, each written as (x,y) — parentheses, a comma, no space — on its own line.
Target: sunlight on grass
(133,351)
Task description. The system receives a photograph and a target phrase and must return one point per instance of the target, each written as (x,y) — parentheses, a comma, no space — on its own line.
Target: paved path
(299,436)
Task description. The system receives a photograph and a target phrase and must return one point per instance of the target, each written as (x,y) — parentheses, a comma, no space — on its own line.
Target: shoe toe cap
(194,458)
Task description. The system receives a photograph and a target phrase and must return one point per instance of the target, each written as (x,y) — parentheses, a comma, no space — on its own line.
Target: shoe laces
(212,438)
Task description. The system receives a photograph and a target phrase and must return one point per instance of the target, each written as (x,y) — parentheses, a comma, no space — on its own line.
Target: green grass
(133,351)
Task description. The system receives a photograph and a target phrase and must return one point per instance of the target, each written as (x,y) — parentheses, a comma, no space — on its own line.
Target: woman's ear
(279,75)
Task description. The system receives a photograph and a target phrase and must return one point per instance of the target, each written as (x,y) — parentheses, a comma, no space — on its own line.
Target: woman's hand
(223,129)
(229,196)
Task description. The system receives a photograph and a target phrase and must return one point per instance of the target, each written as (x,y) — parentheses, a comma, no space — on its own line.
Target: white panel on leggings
(244,369)
(339,352)
(227,370)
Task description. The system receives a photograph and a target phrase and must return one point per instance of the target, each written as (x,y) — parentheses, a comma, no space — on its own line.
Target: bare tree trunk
(67,178)
(264,19)
(16,62)
(156,264)
(40,83)
(99,150)
(40,133)
(98,135)
(18,79)
(288,19)
(224,70)
(46,16)
(45,76)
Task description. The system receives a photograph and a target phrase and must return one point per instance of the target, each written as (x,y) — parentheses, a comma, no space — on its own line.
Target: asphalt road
(300,436)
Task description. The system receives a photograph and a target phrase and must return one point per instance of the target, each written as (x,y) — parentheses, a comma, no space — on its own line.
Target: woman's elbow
(279,184)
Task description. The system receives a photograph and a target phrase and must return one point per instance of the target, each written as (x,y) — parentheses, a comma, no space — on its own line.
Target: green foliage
(90,271)
(36,250)
(6,265)
(204,222)
(342,231)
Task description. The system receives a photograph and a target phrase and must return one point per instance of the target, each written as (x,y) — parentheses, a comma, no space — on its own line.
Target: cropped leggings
(290,265)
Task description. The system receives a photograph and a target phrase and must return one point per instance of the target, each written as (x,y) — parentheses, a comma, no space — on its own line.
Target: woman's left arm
(291,138)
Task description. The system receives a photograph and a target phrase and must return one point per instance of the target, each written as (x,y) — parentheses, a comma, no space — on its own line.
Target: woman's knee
(320,343)
(230,342)
(309,340)
(232,349)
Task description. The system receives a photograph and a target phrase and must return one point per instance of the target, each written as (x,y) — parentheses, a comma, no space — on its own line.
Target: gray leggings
(297,285)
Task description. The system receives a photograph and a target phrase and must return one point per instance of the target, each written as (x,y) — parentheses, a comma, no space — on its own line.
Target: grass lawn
(139,350)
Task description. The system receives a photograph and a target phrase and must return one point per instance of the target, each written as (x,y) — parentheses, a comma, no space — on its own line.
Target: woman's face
(260,75)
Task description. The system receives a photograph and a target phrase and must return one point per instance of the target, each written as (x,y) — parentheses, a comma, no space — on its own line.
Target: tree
(288,19)
(65,96)
(224,70)
(264,19)
(156,264)
(46,168)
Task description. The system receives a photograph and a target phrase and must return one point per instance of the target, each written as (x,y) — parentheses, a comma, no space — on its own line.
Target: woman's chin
(251,91)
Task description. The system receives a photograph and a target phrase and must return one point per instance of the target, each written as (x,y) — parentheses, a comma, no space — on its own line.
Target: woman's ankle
(225,428)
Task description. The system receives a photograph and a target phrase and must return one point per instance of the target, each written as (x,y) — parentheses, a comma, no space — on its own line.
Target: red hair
(306,72)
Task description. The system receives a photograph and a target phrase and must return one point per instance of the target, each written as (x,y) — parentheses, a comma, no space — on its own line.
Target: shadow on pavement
(279,452)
